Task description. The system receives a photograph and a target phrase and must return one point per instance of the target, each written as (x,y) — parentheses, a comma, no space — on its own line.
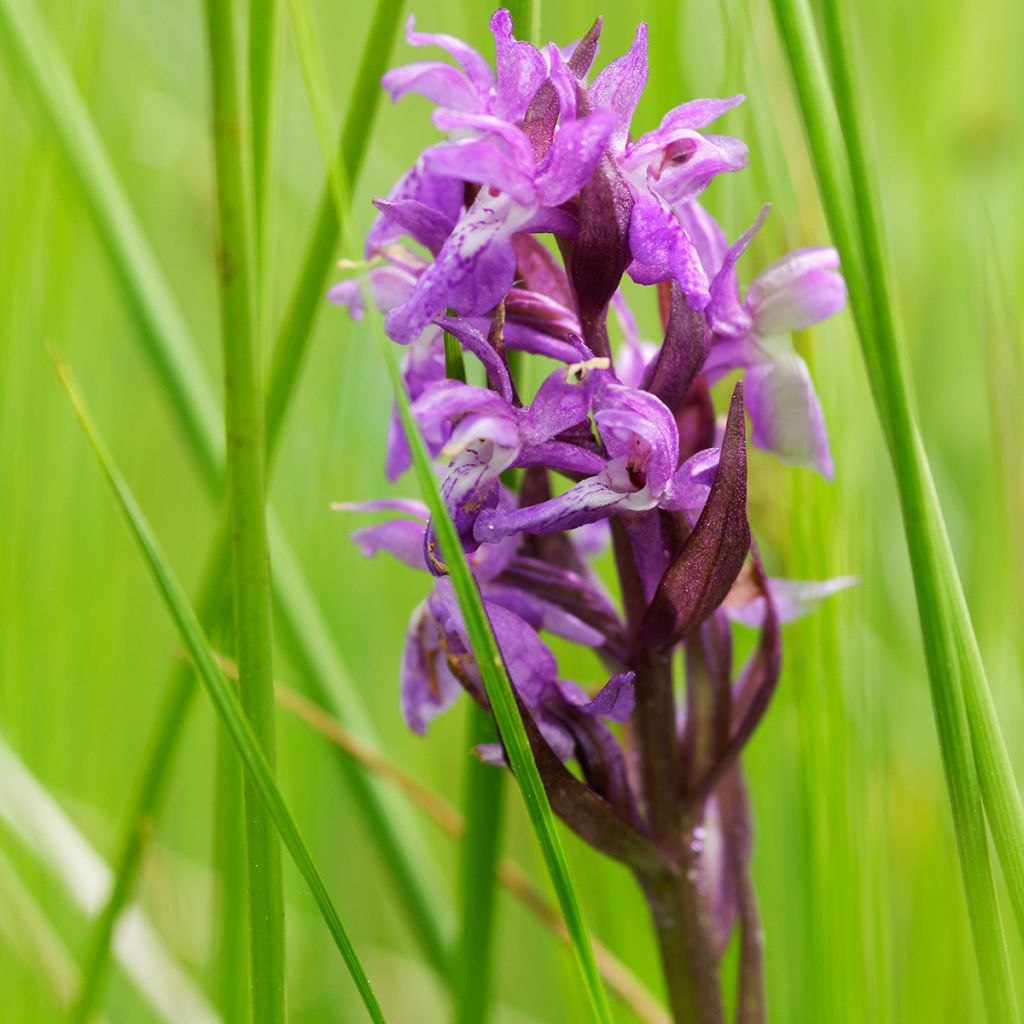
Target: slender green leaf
(172,349)
(960,697)
(263,62)
(224,700)
(246,494)
(526,19)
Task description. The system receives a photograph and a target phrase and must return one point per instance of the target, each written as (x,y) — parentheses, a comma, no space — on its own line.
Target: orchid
(628,443)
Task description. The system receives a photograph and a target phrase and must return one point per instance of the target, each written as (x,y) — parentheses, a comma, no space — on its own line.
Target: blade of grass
(939,572)
(246,495)
(224,701)
(478,855)
(956,675)
(172,349)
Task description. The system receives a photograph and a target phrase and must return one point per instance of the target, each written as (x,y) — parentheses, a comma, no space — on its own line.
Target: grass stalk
(478,857)
(246,494)
(225,703)
(960,698)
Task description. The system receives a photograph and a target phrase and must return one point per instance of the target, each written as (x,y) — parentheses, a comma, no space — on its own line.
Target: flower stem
(244,426)
(686,941)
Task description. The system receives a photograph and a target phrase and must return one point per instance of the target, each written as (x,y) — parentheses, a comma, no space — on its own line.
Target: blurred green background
(854,857)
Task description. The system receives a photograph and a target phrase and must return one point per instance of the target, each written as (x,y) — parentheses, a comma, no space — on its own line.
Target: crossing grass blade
(221,696)
(973,753)
(63,116)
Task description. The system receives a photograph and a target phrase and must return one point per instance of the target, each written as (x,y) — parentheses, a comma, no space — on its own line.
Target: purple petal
(573,155)
(662,251)
(621,84)
(521,69)
(690,486)
(472,271)
(440,83)
(615,700)
(725,312)
(477,69)
(563,400)
(679,164)
(541,272)
(418,185)
(696,583)
(422,223)
(427,684)
(796,291)
(793,599)
(527,339)
(400,538)
(482,162)
(586,502)
(636,425)
(405,506)
(473,341)
(541,614)
(698,114)
(389,285)
(785,413)
(706,234)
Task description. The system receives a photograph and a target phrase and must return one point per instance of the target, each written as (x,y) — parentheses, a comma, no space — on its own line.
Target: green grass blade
(30,51)
(308,293)
(246,492)
(995,772)
(956,675)
(526,19)
(172,351)
(223,699)
(479,852)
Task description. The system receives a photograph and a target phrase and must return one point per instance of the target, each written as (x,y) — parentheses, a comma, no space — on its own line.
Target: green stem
(243,421)
(484,799)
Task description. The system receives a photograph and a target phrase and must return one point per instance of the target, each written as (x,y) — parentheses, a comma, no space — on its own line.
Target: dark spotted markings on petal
(696,583)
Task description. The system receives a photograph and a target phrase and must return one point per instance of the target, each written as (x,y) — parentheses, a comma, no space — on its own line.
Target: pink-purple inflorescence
(622,448)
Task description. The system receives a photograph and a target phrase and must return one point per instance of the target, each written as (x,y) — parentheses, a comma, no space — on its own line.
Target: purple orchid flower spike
(622,447)
(797,291)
